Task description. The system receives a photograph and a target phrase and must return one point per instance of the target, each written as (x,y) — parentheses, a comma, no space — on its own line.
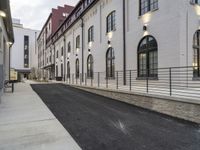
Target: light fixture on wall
(109,43)
(145,28)
(110,35)
(89,50)
(90,44)
(2,14)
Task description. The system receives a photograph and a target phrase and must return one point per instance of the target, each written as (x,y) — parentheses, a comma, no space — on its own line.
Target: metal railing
(175,81)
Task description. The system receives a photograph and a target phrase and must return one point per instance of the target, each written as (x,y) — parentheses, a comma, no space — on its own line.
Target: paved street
(100,123)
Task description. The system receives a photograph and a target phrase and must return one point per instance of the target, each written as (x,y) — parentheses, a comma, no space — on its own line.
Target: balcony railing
(175,82)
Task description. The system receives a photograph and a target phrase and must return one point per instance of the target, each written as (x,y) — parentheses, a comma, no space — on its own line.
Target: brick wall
(189,111)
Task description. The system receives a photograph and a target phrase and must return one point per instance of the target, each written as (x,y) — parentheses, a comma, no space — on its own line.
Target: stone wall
(189,111)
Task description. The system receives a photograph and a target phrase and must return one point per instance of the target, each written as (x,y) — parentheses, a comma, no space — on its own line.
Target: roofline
(76,20)
(50,17)
(44,25)
(5,6)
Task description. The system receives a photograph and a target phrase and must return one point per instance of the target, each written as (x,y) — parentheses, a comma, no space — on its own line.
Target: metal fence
(176,81)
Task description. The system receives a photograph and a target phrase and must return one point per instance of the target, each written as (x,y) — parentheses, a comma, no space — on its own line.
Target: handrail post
(12,87)
(80,79)
(147,80)
(76,80)
(170,81)
(92,80)
(73,79)
(98,79)
(85,79)
(130,80)
(106,82)
(117,83)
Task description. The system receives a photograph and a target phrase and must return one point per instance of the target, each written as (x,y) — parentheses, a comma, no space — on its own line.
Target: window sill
(110,31)
(151,11)
(145,78)
(110,78)
(196,78)
(192,3)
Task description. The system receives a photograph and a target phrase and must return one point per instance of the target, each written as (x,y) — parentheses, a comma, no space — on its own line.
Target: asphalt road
(100,123)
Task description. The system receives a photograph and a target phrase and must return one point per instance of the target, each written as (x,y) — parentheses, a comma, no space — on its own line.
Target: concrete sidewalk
(27,124)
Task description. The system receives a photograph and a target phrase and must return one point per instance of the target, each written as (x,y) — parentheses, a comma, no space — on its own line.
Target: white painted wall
(17,51)
(172,25)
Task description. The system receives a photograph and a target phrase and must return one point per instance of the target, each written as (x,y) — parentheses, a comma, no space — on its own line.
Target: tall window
(196,57)
(68,69)
(26,51)
(148,5)
(78,41)
(77,68)
(90,66)
(69,48)
(56,54)
(148,57)
(195,1)
(111,22)
(62,51)
(110,63)
(61,70)
(91,34)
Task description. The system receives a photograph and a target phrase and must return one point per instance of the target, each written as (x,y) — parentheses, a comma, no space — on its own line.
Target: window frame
(145,63)
(196,56)
(145,6)
(110,63)
(111,22)
(68,70)
(78,41)
(90,66)
(77,68)
(91,34)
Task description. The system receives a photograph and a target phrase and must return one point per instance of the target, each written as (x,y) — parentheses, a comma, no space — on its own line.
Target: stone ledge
(179,108)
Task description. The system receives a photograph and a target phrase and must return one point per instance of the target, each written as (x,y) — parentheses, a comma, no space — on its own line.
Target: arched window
(111,22)
(196,57)
(68,69)
(77,68)
(148,57)
(110,63)
(90,66)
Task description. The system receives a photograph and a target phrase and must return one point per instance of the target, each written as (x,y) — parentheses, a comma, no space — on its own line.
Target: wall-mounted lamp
(2,14)
(89,50)
(145,28)
(9,43)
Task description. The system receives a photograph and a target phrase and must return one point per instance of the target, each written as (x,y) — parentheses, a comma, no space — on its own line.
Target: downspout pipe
(64,40)
(124,41)
(82,38)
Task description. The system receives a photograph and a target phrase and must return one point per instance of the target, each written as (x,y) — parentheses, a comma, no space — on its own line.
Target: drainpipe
(9,60)
(124,41)
(64,57)
(82,27)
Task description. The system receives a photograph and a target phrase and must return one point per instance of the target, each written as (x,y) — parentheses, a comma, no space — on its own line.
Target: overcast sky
(34,13)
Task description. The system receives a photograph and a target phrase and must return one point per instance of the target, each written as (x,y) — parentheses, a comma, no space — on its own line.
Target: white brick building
(140,35)
(24,52)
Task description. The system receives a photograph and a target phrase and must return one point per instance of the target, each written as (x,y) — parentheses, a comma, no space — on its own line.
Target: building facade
(46,61)
(6,40)
(114,35)
(25,48)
